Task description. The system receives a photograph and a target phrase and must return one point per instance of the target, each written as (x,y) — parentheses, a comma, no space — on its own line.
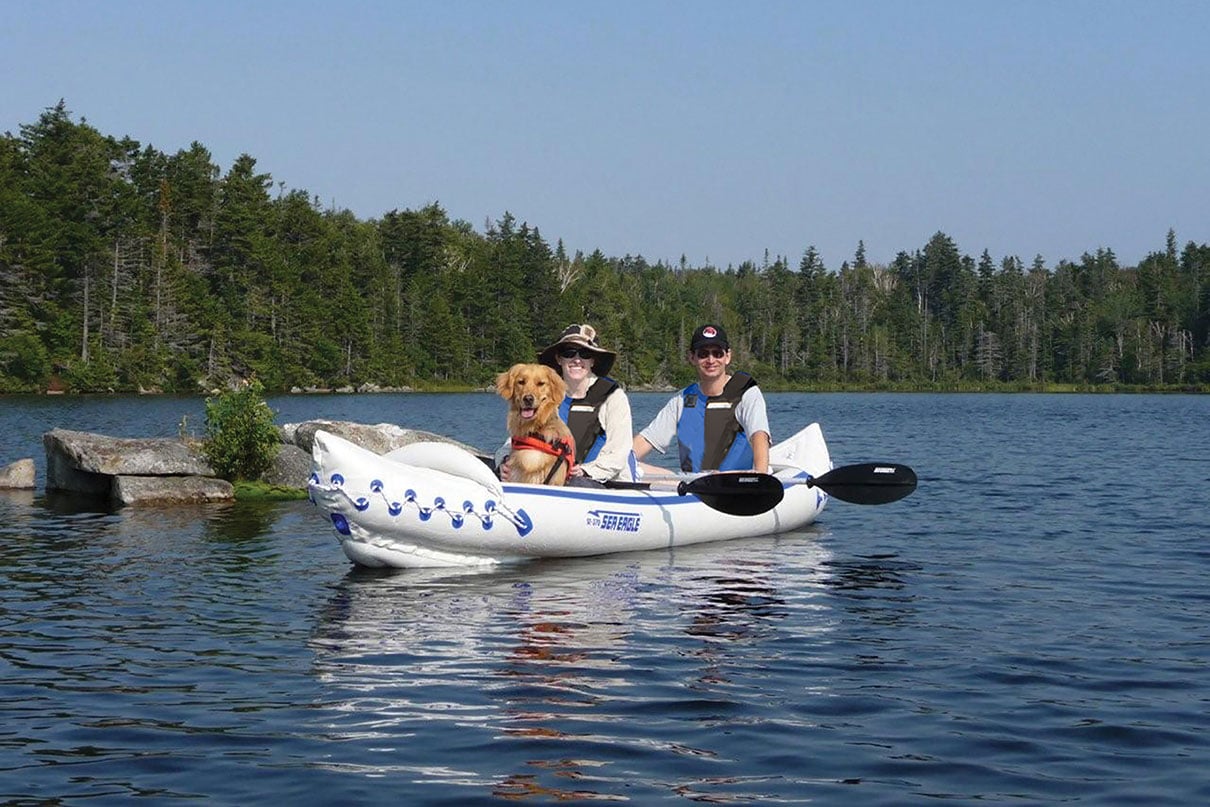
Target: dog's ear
(558,387)
(504,382)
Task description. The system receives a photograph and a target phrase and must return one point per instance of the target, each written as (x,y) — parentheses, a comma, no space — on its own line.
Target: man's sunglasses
(572,352)
(710,352)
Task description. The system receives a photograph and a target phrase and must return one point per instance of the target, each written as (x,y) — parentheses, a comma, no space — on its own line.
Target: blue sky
(711,130)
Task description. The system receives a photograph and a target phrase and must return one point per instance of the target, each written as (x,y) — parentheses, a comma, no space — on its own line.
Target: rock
(18,475)
(381,438)
(286,433)
(130,470)
(113,456)
(170,489)
(291,468)
(143,470)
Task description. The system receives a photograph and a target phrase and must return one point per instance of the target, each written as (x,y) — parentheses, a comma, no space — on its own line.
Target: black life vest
(715,443)
(584,419)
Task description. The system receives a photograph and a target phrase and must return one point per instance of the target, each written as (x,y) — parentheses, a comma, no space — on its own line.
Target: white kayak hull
(433,504)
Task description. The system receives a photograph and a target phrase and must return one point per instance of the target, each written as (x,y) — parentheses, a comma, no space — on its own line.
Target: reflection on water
(859,574)
(564,656)
(738,606)
(234,520)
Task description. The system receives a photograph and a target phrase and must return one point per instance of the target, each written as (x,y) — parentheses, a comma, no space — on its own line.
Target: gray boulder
(18,475)
(291,468)
(380,438)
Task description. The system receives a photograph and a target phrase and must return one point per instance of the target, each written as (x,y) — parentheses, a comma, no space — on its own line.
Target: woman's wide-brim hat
(584,336)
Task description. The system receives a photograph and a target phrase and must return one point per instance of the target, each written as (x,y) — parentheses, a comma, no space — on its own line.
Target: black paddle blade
(868,483)
(737,494)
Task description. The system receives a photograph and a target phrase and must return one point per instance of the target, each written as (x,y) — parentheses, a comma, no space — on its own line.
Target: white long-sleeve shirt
(613,461)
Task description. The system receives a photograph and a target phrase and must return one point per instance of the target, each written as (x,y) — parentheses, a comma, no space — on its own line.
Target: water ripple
(1023,629)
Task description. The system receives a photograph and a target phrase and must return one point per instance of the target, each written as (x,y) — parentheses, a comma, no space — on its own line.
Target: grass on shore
(263,492)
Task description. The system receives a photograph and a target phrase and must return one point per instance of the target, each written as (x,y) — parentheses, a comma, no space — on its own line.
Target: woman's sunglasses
(572,352)
(710,352)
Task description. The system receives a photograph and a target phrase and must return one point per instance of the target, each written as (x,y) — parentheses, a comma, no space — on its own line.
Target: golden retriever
(541,440)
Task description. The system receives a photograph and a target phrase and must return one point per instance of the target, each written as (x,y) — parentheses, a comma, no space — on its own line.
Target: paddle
(749,494)
(867,482)
(737,494)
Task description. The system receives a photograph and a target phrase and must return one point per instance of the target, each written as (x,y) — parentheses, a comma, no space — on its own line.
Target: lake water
(1031,626)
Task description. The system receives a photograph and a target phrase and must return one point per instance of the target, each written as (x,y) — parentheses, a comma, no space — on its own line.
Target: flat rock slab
(84,462)
(170,489)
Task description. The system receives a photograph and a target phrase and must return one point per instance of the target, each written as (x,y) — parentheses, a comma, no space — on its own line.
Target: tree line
(126,268)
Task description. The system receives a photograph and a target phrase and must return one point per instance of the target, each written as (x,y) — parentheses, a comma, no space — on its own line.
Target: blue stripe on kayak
(646,497)
(638,498)
(642,498)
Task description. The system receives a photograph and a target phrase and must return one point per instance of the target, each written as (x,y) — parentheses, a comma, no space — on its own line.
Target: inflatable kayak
(434,504)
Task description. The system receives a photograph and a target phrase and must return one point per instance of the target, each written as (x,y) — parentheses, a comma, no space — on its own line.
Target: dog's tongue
(528,413)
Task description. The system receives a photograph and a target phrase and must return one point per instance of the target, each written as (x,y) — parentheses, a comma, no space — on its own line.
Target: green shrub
(25,360)
(241,440)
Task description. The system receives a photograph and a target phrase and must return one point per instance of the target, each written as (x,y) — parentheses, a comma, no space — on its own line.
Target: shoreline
(1075,389)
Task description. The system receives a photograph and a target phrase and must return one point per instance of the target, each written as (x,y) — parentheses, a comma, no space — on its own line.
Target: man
(719,422)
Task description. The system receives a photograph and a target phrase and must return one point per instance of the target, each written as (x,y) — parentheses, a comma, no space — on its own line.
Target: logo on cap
(709,332)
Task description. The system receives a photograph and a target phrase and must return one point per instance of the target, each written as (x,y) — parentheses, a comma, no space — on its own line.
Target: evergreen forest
(124,268)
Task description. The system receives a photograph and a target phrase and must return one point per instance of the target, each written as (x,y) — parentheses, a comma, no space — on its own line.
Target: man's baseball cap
(709,335)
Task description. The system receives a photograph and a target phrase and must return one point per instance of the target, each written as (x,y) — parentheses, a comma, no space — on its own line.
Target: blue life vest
(582,416)
(708,428)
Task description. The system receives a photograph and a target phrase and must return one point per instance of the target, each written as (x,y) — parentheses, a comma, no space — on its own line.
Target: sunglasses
(572,352)
(710,352)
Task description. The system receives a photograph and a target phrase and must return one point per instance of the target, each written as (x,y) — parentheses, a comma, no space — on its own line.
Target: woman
(595,408)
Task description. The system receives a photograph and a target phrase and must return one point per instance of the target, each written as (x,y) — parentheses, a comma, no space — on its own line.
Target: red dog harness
(565,450)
